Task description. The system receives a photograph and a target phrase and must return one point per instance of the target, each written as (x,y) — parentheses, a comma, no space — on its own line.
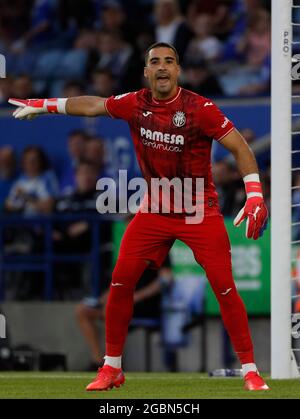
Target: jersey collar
(168,101)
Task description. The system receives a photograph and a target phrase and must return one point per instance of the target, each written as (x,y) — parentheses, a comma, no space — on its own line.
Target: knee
(230,299)
(225,292)
(127,272)
(221,281)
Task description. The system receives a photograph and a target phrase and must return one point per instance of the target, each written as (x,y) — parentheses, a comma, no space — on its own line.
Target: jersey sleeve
(213,122)
(122,106)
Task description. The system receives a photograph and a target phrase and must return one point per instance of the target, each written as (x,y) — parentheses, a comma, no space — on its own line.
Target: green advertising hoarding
(251,271)
(250,262)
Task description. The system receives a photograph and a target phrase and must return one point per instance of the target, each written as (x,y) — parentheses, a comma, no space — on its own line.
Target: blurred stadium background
(57,253)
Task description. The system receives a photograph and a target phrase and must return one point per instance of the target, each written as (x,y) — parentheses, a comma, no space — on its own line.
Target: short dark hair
(103,71)
(161,45)
(86,163)
(41,155)
(78,132)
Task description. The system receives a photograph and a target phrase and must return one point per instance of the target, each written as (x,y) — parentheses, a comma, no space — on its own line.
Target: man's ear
(146,72)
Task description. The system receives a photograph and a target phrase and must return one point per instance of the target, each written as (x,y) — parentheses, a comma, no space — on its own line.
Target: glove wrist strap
(253,186)
(56,105)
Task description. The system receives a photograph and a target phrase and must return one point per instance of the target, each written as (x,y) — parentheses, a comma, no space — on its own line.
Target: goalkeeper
(172,130)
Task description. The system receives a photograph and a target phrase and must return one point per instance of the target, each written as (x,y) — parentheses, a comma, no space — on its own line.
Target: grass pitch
(30,385)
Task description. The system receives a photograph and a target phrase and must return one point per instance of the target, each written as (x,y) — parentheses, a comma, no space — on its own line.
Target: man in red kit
(172,130)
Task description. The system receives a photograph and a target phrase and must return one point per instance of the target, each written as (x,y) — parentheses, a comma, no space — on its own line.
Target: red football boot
(254,382)
(107,378)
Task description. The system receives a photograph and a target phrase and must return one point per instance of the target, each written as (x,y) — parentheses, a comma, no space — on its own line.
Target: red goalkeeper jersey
(173,138)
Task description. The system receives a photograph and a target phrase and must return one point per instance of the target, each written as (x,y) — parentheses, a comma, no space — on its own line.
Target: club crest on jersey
(179,119)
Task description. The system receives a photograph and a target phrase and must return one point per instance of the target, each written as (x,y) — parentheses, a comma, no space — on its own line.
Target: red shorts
(150,237)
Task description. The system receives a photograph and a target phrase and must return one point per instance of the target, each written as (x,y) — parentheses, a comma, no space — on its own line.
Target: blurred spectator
(58,41)
(147,304)
(256,44)
(114,52)
(75,236)
(295,86)
(171,26)
(75,13)
(220,152)
(35,190)
(77,141)
(220,11)
(86,39)
(230,188)
(73,89)
(94,153)
(33,193)
(103,83)
(248,134)
(21,87)
(241,11)
(266,185)
(296,282)
(204,45)
(198,6)
(7,172)
(5,91)
(77,62)
(199,79)
(41,30)
(296,250)
(120,58)
(14,19)
(113,19)
(254,49)
(182,308)
(296,201)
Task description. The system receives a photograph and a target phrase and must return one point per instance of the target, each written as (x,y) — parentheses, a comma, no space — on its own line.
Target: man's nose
(162,65)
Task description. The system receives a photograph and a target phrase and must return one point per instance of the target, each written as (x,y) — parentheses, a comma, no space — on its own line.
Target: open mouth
(163,78)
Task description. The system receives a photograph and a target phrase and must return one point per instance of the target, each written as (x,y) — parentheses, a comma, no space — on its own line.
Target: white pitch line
(87,377)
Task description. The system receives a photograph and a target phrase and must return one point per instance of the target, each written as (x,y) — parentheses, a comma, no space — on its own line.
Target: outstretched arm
(86,106)
(78,106)
(255,210)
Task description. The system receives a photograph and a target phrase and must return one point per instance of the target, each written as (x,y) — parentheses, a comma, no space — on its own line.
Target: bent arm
(255,210)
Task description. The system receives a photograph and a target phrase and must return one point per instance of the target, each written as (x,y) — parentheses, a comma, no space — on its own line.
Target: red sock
(119,308)
(233,312)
